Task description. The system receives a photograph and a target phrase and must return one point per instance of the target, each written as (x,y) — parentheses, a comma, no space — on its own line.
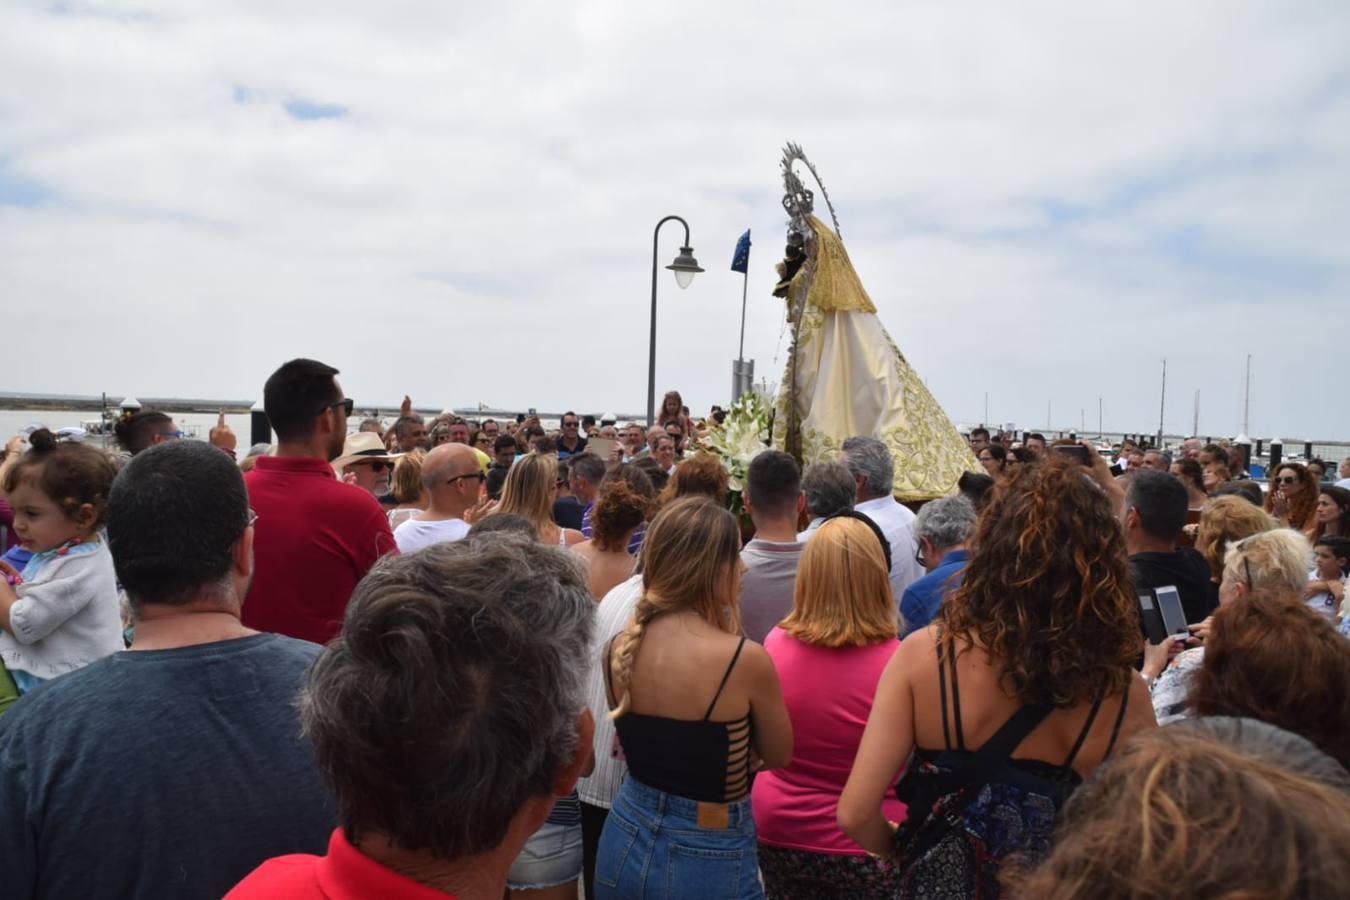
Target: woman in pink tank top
(829,652)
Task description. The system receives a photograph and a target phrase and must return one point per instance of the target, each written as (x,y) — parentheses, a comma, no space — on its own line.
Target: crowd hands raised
(476,659)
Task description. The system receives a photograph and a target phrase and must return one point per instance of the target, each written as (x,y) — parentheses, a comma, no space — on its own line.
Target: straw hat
(362,445)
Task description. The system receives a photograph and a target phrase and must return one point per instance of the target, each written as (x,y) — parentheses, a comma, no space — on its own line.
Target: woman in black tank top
(681,823)
(1043,631)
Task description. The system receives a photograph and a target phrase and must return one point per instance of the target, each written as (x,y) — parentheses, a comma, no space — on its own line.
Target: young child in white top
(60,612)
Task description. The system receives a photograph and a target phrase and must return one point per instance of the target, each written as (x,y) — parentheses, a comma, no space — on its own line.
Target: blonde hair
(528,491)
(1277,561)
(843,594)
(1228,519)
(406,482)
(689,557)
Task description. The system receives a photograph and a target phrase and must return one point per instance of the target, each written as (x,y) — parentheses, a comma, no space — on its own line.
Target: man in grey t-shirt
(174,768)
(773,498)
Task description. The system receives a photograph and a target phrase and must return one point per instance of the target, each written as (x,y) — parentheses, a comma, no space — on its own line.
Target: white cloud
(1043,200)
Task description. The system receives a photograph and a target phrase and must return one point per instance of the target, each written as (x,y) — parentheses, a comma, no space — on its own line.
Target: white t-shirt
(1324,604)
(896,521)
(415,534)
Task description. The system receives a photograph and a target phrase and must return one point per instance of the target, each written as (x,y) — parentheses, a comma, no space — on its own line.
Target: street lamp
(685,268)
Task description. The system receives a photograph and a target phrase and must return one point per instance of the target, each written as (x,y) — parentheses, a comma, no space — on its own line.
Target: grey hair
(451,697)
(829,488)
(869,457)
(1272,744)
(1165,454)
(946,522)
(588,466)
(403,423)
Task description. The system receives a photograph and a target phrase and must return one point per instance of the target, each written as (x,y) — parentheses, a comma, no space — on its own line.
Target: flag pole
(745,284)
(742,377)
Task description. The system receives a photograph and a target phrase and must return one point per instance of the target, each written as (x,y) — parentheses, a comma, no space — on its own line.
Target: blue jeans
(654,848)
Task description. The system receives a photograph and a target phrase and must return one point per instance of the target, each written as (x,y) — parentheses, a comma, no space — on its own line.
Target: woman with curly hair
(692,701)
(619,512)
(1031,656)
(1293,496)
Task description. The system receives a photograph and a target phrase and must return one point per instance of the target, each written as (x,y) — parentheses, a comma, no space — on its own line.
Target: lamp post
(684,267)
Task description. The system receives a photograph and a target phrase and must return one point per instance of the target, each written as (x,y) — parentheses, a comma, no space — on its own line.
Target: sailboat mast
(1162,402)
(1247,396)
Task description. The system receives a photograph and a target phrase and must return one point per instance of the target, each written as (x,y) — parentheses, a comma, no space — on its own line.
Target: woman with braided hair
(695,706)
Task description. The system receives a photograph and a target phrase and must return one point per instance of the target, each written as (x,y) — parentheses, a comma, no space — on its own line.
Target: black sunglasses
(378,465)
(477,473)
(347,406)
(1286,479)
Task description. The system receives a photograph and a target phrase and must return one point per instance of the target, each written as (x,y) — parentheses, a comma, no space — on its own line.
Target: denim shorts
(658,846)
(551,856)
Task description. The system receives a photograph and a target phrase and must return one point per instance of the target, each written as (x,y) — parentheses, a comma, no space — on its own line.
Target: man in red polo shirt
(315,536)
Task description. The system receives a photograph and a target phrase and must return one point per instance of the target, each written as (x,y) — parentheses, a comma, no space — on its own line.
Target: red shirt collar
(296,465)
(348,873)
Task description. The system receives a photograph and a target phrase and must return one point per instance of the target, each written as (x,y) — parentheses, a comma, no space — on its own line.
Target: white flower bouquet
(742,436)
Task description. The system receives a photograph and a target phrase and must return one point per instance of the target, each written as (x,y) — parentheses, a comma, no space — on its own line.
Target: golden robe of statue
(848,378)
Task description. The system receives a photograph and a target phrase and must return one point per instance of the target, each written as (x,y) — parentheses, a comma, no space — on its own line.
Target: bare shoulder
(917,651)
(572,536)
(756,662)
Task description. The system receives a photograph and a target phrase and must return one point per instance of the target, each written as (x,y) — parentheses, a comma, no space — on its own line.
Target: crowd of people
(479,659)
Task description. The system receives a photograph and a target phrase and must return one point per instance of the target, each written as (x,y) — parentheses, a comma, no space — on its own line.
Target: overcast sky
(456,200)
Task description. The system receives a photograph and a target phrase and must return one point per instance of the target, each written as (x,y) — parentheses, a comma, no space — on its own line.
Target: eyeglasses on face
(1287,479)
(176,435)
(376,465)
(476,474)
(346,405)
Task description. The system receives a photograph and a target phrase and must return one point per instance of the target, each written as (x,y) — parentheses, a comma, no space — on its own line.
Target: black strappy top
(1056,781)
(969,810)
(695,759)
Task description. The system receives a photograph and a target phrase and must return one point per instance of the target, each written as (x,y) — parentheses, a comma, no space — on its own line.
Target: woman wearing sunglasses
(1293,496)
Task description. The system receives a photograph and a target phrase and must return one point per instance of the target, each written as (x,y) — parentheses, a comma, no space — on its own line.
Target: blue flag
(741,261)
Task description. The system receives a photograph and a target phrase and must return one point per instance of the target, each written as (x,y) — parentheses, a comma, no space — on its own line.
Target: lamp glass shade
(685,267)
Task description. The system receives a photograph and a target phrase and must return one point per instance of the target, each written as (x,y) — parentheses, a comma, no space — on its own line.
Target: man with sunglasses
(365,463)
(316,537)
(454,480)
(572,442)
